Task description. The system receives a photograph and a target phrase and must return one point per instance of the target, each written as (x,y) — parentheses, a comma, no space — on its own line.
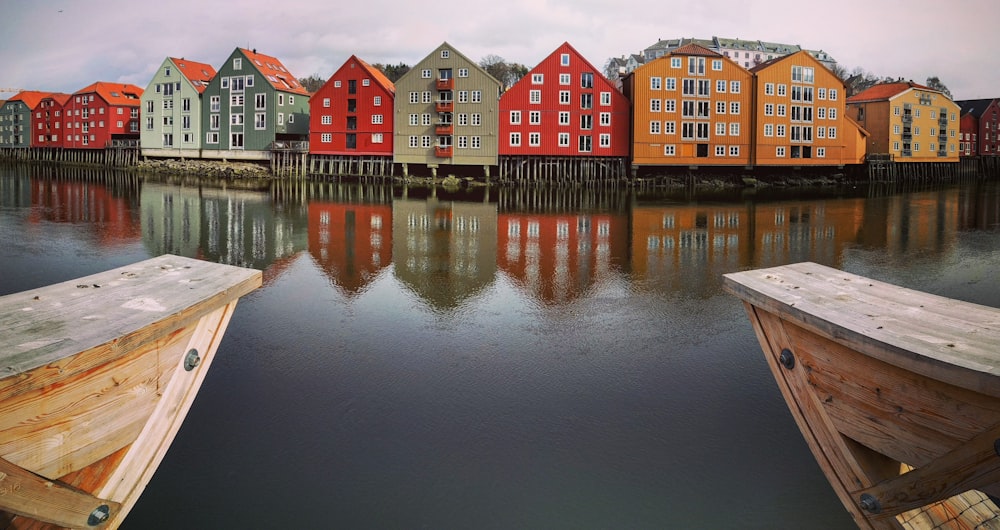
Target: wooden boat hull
(81,435)
(892,389)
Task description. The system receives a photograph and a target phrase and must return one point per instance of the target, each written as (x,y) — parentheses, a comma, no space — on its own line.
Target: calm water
(500,360)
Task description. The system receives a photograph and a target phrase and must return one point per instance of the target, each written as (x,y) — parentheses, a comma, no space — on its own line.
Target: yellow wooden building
(799,106)
(691,107)
(909,122)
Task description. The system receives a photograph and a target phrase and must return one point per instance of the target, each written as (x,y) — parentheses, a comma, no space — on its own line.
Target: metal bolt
(870,503)
(787,359)
(192,360)
(99,515)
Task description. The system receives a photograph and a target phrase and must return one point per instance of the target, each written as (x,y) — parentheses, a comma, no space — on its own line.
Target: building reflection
(351,243)
(445,251)
(226,226)
(558,257)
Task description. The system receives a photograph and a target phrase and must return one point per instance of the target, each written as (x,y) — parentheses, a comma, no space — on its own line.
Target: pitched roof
(199,74)
(377,74)
(114,93)
(976,107)
(31,98)
(885,91)
(275,72)
(695,49)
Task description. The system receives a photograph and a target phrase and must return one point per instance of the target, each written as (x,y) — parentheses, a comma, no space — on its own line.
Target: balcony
(446,84)
(444,129)
(907,118)
(445,106)
(442,151)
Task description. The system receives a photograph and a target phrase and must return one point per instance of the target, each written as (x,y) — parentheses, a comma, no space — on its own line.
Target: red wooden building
(351,243)
(99,113)
(979,132)
(351,114)
(564,107)
(48,121)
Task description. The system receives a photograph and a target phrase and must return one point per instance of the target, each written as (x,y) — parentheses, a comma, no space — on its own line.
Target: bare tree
(499,68)
(936,84)
(312,83)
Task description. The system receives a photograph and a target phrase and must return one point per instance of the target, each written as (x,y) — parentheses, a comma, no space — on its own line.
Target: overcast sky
(64,45)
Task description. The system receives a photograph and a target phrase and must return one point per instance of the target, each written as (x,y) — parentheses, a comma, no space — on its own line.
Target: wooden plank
(30,495)
(114,311)
(944,339)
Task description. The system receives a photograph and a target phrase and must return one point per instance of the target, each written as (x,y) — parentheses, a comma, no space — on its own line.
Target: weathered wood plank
(944,339)
(135,303)
(27,494)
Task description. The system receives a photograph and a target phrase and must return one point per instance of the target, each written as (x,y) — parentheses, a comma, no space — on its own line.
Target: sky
(65,45)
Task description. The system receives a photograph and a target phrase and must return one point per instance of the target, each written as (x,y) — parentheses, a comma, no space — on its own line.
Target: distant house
(691,107)
(979,134)
(447,108)
(49,131)
(16,119)
(252,102)
(352,113)
(910,122)
(171,109)
(800,115)
(100,113)
(564,107)
(747,53)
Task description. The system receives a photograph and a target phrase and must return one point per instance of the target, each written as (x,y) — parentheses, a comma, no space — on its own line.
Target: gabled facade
(910,122)
(48,129)
(99,113)
(171,108)
(352,113)
(691,107)
(979,133)
(17,129)
(564,107)
(800,115)
(252,102)
(446,110)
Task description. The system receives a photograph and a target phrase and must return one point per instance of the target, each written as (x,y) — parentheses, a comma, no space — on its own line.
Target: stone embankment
(206,168)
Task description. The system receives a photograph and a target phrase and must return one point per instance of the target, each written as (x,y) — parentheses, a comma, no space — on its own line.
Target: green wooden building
(172,109)
(252,106)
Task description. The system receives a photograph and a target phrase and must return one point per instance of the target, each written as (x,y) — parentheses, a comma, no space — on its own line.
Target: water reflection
(555,246)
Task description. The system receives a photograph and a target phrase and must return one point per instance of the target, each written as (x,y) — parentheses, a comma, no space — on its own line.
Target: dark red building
(48,121)
(99,113)
(564,107)
(351,114)
(978,127)
(350,242)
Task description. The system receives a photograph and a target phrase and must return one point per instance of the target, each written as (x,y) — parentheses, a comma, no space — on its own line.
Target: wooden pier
(563,170)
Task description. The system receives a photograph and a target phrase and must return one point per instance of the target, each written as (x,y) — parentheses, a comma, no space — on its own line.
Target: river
(492,358)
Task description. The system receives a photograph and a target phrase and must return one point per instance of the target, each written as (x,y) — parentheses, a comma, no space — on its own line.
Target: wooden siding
(465,107)
(561,84)
(15,125)
(285,114)
(914,109)
(369,107)
(815,108)
(651,148)
(164,112)
(91,121)
(51,120)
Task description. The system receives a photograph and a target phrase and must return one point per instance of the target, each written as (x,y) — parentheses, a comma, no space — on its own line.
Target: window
(326,120)
(587,80)
(675,62)
(515,117)
(717,65)
(720,107)
(654,127)
(734,129)
(414,142)
(563,118)
(376,119)
(832,113)
(535,117)
(377,101)
(563,139)
(564,97)
(535,97)
(734,107)
(687,109)
(720,129)
(537,79)
(249,80)
(702,131)
(445,54)
(414,120)
(769,89)
(820,152)
(425,73)
(779,151)
(669,127)
(477,96)
(605,99)
(237,63)
(281,100)
(425,97)
(688,87)
(780,131)
(768,129)
(734,87)
(260,122)
(534,139)
(833,94)
(586,143)
(564,59)
(605,119)
(476,120)
(669,150)
(669,105)
(414,97)
(655,83)
(586,101)
(781,110)
(654,105)
(670,83)
(564,79)
(463,72)
(326,138)
(831,132)
(515,139)
(782,90)
(696,66)
(212,138)
(821,93)
(586,121)
(720,85)
(463,96)
(463,119)
(720,150)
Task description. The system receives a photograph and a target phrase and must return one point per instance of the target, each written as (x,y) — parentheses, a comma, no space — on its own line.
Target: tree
(499,68)
(393,72)
(312,83)
(936,84)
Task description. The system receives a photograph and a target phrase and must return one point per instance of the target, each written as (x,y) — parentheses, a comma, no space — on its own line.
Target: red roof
(885,91)
(695,49)
(275,72)
(31,98)
(199,74)
(377,74)
(114,93)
